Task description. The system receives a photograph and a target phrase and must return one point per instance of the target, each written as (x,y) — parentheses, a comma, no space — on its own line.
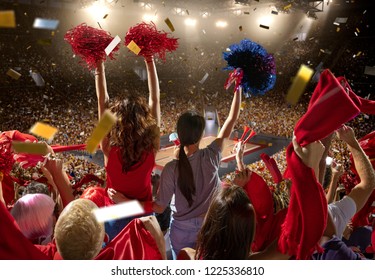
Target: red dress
(136,183)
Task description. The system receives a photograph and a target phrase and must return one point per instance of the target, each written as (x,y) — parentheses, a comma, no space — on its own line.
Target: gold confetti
(44,42)
(29,148)
(13,74)
(7,19)
(43,130)
(299,84)
(105,124)
(169,23)
(134,47)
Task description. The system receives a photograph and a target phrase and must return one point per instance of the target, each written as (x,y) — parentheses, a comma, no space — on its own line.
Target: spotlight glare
(221,24)
(149,18)
(146,6)
(190,22)
(97,11)
(205,14)
(265,20)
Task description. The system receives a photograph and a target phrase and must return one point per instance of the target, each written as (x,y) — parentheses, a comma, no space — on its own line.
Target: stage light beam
(221,24)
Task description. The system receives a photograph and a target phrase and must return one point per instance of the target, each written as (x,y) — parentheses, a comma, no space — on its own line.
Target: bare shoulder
(149,222)
(186,254)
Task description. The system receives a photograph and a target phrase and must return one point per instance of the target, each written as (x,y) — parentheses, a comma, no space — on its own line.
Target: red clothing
(6,137)
(134,242)
(268,224)
(136,183)
(13,244)
(329,108)
(362,217)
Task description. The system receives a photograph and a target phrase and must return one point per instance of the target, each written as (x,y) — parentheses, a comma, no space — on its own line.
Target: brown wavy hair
(229,227)
(135,132)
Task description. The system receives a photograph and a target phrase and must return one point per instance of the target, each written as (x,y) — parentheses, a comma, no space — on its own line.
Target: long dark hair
(229,227)
(190,127)
(135,132)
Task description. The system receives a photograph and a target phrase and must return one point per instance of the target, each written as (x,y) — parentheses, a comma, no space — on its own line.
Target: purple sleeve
(167,185)
(213,153)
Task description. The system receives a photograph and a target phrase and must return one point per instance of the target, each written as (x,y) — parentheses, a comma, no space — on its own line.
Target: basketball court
(166,154)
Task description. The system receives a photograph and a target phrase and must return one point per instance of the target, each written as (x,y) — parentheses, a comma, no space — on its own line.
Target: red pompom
(89,43)
(151,41)
(6,158)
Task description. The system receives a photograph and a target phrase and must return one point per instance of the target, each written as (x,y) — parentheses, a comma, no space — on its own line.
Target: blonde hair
(34,215)
(78,235)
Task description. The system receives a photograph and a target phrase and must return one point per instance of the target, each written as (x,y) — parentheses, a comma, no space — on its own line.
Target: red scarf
(268,224)
(329,108)
(368,145)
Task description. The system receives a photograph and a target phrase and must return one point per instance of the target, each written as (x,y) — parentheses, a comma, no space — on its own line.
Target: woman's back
(205,164)
(135,183)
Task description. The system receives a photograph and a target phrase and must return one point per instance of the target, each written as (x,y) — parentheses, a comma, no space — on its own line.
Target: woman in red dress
(130,148)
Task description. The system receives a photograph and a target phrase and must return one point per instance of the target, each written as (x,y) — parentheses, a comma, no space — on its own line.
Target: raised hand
(242,178)
(311,154)
(346,134)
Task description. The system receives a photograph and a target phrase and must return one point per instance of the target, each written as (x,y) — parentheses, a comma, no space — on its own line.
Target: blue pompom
(258,66)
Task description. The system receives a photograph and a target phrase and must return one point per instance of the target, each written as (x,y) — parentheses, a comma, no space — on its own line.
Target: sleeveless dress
(134,184)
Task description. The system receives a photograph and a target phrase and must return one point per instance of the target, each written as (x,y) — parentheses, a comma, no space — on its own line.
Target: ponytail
(185,177)
(190,127)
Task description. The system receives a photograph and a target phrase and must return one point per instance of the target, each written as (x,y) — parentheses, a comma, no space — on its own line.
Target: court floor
(166,154)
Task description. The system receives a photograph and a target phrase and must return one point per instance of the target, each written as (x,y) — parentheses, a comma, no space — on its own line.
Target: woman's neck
(191,149)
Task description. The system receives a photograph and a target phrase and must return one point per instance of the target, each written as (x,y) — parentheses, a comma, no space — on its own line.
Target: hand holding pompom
(151,41)
(89,43)
(258,67)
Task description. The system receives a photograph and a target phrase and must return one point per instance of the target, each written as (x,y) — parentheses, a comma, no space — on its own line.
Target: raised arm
(103,98)
(101,88)
(361,192)
(54,190)
(55,167)
(337,171)
(310,155)
(322,165)
(153,87)
(229,123)
(239,147)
